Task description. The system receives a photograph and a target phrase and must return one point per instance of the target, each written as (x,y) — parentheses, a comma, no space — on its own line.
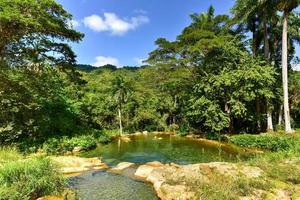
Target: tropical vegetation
(212,79)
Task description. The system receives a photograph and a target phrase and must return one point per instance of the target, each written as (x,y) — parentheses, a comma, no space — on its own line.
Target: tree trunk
(228,111)
(257,102)
(287,121)
(280,115)
(120,121)
(254,38)
(266,42)
(269,120)
(267,58)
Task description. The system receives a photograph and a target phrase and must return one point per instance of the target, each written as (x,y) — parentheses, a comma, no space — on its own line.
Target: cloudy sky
(122,32)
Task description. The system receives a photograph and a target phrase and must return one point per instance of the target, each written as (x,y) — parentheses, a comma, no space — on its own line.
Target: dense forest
(212,79)
(225,77)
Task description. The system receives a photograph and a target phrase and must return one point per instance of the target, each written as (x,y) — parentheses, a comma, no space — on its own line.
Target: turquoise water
(141,149)
(108,186)
(166,149)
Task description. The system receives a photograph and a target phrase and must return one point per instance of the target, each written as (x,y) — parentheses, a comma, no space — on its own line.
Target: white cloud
(103,60)
(296,67)
(74,23)
(139,61)
(114,24)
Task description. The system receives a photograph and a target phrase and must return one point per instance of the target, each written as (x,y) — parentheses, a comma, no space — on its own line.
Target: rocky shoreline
(170,181)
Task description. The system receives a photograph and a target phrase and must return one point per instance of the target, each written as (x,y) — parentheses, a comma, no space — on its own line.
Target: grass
(27,178)
(8,155)
(229,188)
(280,163)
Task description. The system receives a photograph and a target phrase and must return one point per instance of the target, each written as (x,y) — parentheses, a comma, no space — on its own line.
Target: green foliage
(62,145)
(28,179)
(282,165)
(229,188)
(274,143)
(31,29)
(8,154)
(33,104)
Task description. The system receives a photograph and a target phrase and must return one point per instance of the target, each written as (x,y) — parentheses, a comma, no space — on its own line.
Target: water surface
(107,186)
(166,149)
(141,149)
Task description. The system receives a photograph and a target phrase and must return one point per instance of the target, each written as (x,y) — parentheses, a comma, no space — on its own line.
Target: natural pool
(141,149)
(166,149)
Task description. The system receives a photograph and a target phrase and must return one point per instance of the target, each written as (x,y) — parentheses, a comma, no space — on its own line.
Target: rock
(144,171)
(125,139)
(75,165)
(155,164)
(122,166)
(175,192)
(77,149)
(172,182)
(233,169)
(138,133)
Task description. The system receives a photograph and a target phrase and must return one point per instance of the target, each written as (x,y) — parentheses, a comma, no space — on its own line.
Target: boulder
(155,164)
(75,165)
(77,149)
(172,181)
(122,166)
(175,192)
(144,171)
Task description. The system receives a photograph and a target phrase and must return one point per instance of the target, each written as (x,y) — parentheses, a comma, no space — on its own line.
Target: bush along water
(268,142)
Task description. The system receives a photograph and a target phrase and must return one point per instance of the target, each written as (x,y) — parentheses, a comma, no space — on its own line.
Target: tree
(33,31)
(259,14)
(121,91)
(286,6)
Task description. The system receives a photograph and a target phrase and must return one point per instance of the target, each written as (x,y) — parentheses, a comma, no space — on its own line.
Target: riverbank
(274,174)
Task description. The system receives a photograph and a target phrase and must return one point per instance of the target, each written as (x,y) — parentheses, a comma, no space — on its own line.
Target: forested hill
(211,79)
(90,68)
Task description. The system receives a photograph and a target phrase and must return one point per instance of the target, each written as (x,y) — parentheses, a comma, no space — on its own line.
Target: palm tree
(286,6)
(121,91)
(256,15)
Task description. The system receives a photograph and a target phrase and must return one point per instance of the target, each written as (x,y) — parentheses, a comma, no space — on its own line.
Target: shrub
(105,136)
(269,142)
(29,179)
(9,154)
(64,144)
(215,136)
(86,142)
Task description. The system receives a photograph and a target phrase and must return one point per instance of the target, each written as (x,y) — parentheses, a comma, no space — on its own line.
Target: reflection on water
(164,148)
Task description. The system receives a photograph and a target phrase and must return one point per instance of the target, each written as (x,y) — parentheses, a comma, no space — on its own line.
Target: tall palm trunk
(120,121)
(267,58)
(287,121)
(280,115)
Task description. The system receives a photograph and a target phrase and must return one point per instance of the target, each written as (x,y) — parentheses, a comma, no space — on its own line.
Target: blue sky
(122,32)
